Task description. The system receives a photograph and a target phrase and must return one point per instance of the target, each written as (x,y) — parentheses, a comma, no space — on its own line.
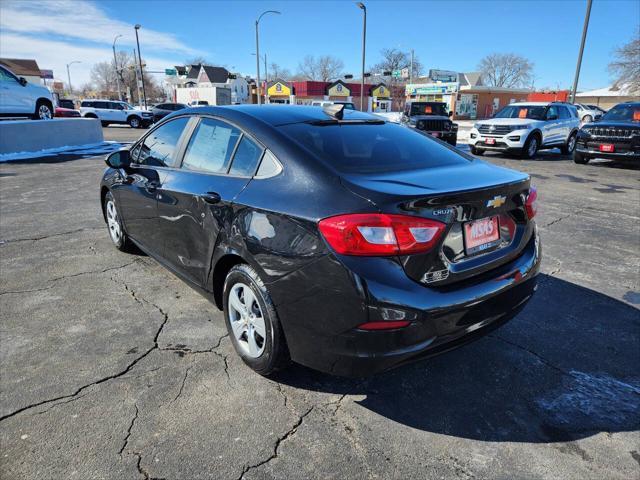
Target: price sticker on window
(427,109)
(522,113)
(636,115)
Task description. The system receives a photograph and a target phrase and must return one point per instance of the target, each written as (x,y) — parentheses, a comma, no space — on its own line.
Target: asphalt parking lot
(112,368)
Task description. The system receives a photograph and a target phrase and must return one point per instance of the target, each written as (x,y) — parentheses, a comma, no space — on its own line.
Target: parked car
(327,236)
(586,113)
(67,103)
(19,98)
(109,111)
(66,112)
(431,118)
(616,136)
(526,127)
(596,107)
(199,103)
(163,109)
(323,103)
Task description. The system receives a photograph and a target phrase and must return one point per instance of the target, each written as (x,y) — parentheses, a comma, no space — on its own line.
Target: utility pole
(584,38)
(364,42)
(144,92)
(411,68)
(258,52)
(115,64)
(69,75)
(137,78)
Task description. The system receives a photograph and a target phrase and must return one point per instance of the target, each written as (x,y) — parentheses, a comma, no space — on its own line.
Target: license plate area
(480,235)
(607,148)
(490,141)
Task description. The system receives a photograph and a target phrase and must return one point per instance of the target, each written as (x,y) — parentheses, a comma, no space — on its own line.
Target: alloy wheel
(113,222)
(44,112)
(247,321)
(533,147)
(572,143)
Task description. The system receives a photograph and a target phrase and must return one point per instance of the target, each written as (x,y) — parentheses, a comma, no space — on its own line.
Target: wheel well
(103,194)
(538,134)
(45,100)
(220,272)
(133,116)
(91,115)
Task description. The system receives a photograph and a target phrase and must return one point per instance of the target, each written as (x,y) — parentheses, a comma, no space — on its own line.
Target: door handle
(151,187)
(211,197)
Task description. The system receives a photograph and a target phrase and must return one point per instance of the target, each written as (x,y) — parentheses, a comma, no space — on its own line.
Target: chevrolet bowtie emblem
(496,201)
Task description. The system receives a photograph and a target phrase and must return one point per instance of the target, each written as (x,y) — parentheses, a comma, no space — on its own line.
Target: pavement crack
(63,277)
(226,364)
(184,380)
(126,370)
(288,434)
(564,217)
(44,237)
(538,356)
(133,422)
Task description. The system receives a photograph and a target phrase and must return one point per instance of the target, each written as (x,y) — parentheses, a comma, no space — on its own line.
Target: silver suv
(109,111)
(526,127)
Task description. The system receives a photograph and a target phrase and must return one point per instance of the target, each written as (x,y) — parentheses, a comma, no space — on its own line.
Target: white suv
(109,111)
(19,98)
(587,114)
(525,128)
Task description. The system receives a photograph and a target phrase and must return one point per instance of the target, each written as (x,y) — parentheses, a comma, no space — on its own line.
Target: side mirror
(119,159)
(23,81)
(450,113)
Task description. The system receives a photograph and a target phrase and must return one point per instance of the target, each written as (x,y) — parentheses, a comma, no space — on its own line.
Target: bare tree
(626,66)
(506,70)
(324,69)
(198,60)
(103,78)
(279,72)
(395,59)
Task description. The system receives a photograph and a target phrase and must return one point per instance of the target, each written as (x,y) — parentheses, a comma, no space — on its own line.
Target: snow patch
(85,150)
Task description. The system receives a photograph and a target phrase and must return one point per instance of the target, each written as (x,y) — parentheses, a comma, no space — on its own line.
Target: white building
(207,76)
(608,97)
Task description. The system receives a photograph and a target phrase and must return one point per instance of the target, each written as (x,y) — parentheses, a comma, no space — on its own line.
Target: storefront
(434,92)
(379,99)
(279,91)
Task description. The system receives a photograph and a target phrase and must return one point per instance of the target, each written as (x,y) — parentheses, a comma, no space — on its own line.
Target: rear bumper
(441,318)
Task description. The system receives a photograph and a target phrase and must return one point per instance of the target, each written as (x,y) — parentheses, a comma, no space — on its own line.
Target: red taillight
(378,234)
(531,205)
(384,325)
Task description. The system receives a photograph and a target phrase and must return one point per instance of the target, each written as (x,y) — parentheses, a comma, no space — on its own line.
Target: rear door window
(246,158)
(564,113)
(372,148)
(211,146)
(159,147)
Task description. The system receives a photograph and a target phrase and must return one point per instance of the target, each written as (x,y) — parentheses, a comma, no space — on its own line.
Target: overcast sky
(451,35)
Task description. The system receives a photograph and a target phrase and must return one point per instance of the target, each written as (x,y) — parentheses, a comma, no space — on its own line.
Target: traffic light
(348,76)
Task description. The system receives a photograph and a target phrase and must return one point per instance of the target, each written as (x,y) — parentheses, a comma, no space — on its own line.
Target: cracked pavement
(112,368)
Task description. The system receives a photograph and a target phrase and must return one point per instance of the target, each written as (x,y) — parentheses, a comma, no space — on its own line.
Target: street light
(69,75)
(584,37)
(266,72)
(364,41)
(115,64)
(258,50)
(144,92)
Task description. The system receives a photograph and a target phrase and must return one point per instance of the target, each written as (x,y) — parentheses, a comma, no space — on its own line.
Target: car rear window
(372,148)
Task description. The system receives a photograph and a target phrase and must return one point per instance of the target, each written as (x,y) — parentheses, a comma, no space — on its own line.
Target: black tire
(529,151)
(44,110)
(120,241)
(569,147)
(579,158)
(104,124)
(275,355)
(476,151)
(134,122)
(452,143)
(90,115)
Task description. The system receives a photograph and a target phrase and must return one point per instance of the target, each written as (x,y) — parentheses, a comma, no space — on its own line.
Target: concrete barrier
(35,135)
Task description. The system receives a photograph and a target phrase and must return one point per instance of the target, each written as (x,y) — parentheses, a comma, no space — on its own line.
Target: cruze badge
(496,201)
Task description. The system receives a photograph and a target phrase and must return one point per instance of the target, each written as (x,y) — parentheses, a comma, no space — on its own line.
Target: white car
(110,111)
(526,127)
(587,113)
(19,98)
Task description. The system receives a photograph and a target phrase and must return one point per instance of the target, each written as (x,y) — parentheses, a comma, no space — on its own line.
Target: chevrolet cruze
(327,236)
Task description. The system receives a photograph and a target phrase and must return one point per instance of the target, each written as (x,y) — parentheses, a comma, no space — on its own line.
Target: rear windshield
(372,148)
(629,112)
(534,112)
(428,109)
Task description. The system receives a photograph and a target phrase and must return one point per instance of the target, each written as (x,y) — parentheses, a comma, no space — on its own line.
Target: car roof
(101,100)
(277,114)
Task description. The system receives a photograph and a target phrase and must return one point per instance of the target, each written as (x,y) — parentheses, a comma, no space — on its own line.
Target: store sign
(467,106)
(431,88)
(380,91)
(443,76)
(170,72)
(338,90)
(48,74)
(278,89)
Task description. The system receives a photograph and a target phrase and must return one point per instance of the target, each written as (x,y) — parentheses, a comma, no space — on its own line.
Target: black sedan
(616,136)
(163,109)
(329,237)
